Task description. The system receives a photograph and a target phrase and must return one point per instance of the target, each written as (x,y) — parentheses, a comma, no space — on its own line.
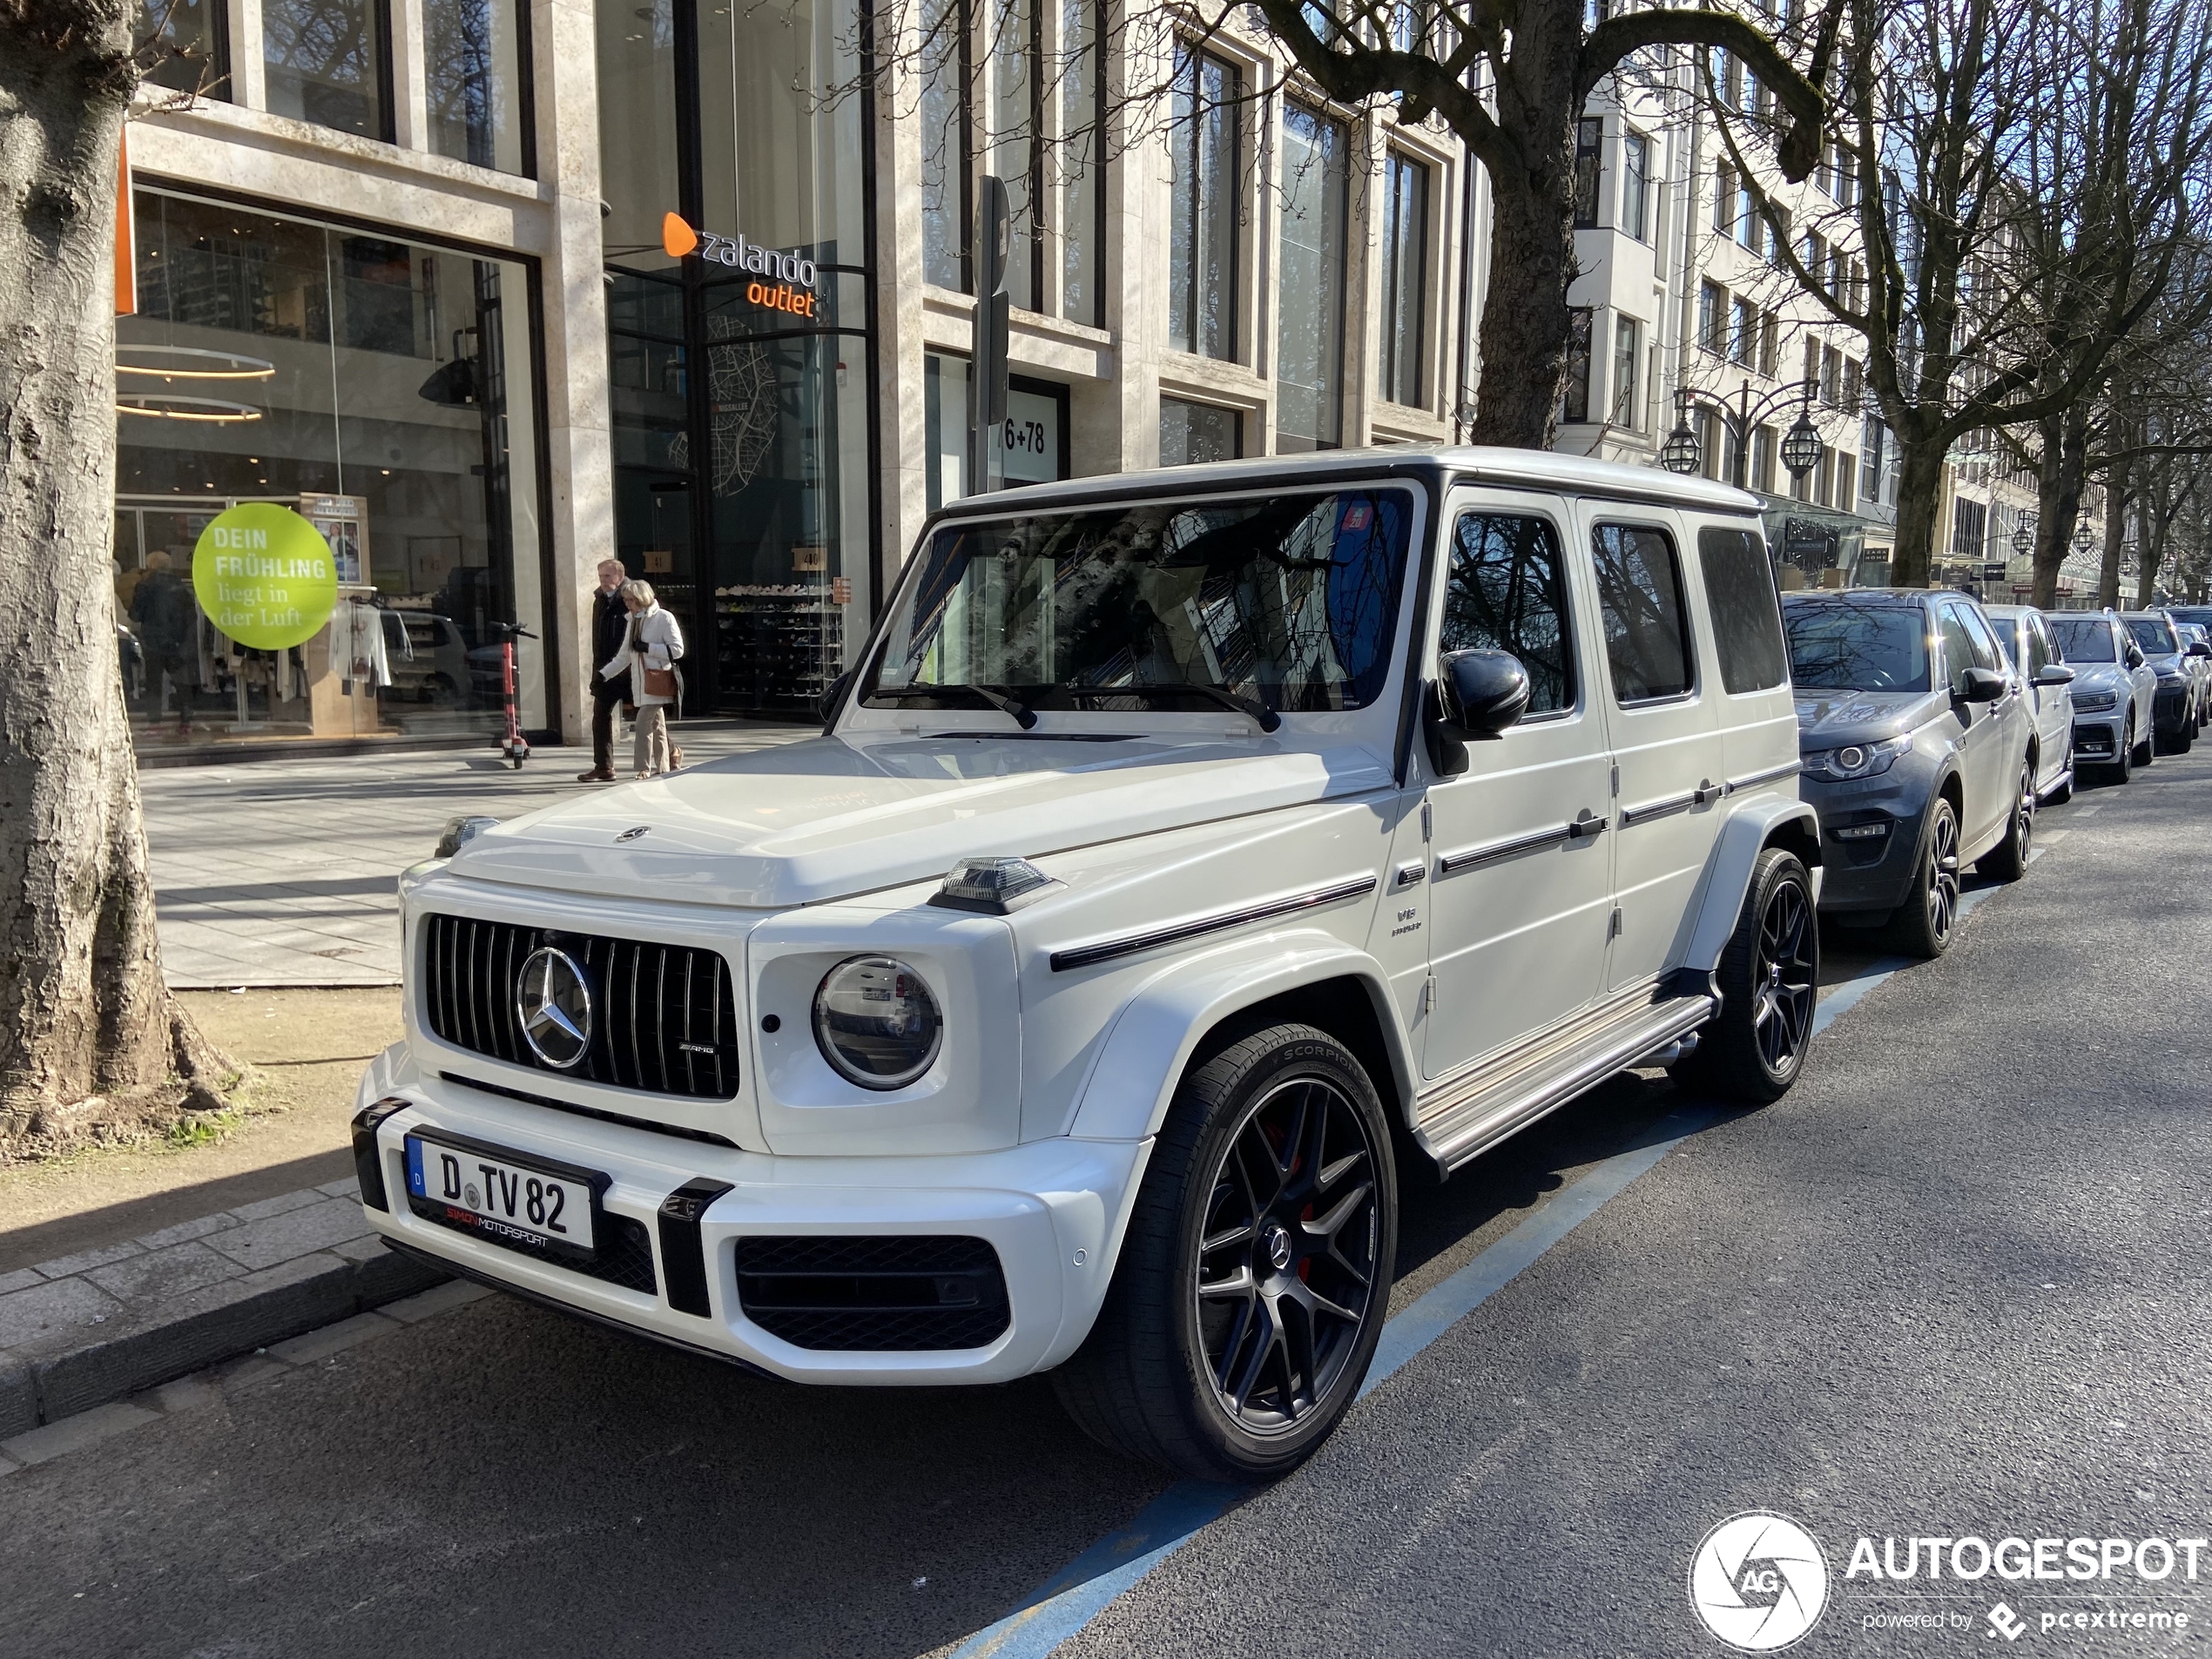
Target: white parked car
(1186,848)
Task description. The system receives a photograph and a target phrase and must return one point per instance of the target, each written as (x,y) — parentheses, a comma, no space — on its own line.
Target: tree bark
(1524,331)
(88,1029)
(2060,478)
(1919,496)
(2117,496)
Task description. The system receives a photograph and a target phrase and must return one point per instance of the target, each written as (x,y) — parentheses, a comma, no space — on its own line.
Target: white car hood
(832,817)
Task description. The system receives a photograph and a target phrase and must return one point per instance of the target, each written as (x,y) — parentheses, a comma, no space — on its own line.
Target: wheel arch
(1195,1007)
(1777,821)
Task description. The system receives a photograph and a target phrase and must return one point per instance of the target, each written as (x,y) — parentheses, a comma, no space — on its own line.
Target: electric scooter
(514,746)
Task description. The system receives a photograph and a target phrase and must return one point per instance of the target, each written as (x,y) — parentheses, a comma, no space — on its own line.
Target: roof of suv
(1538,469)
(1867,596)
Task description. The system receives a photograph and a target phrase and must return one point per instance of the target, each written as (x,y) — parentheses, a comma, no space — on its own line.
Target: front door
(1520,872)
(1665,726)
(1985,757)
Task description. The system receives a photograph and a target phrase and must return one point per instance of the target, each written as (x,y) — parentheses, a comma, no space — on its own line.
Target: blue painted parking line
(1070,1600)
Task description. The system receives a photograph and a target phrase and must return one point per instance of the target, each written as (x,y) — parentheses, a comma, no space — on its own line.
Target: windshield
(2084,639)
(2153,635)
(2200,615)
(1286,600)
(1840,646)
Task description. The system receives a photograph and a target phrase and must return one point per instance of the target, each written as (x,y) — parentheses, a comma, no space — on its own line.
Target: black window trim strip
(1469,858)
(1128,944)
(1657,809)
(1772,774)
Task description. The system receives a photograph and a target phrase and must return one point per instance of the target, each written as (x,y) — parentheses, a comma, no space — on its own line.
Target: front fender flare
(1130,1085)
(1742,838)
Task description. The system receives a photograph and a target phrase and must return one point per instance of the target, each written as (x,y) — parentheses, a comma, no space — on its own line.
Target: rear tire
(1768,979)
(2147,746)
(1241,1321)
(2122,770)
(1926,922)
(2008,860)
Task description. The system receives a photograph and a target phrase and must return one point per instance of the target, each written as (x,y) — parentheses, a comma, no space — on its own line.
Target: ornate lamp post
(1801,447)
(2024,535)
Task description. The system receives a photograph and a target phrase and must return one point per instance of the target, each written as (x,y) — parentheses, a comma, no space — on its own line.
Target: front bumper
(1051,1211)
(1869,836)
(2170,707)
(2098,740)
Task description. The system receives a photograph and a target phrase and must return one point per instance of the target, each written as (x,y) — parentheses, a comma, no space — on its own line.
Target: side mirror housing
(2055,674)
(1980,686)
(2198,647)
(834,699)
(1477,698)
(2134,655)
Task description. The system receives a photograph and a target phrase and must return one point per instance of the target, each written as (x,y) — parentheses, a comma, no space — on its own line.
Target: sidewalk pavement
(282,872)
(93,1328)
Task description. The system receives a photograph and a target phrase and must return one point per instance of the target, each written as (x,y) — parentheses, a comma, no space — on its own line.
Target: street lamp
(1679,452)
(2024,535)
(1801,447)
(2083,540)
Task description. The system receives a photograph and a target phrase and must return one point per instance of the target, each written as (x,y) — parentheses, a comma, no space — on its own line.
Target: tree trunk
(1919,498)
(1524,329)
(2116,499)
(2059,481)
(89,1033)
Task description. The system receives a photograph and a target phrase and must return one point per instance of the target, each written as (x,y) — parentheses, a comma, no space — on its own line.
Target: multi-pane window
(1640,603)
(1013,98)
(329,61)
(194,44)
(1202,223)
(1635,184)
(1404,277)
(1309,341)
(1743,332)
(1724,200)
(1770,345)
(1763,448)
(1079,164)
(1712,314)
(1851,383)
(1194,432)
(1575,402)
(1590,141)
(1508,592)
(1832,377)
(943,107)
(1628,335)
(473,58)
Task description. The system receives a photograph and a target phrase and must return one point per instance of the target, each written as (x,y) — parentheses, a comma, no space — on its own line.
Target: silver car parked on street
(2113,689)
(2046,686)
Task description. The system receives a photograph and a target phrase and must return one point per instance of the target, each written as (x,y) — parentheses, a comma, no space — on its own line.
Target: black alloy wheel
(1924,922)
(1284,1277)
(2008,860)
(1768,977)
(1785,972)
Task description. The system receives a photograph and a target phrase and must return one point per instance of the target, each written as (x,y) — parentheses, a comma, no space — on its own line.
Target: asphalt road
(1951,1285)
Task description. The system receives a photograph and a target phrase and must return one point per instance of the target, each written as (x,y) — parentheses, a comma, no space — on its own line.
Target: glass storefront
(382,390)
(741,372)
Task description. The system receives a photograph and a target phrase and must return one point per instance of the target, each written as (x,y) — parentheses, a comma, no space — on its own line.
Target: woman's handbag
(661,681)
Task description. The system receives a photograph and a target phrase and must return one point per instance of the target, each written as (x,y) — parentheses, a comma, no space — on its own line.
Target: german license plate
(508,1199)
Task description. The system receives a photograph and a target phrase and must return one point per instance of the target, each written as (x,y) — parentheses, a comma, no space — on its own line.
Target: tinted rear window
(1747,610)
(2084,639)
(2153,634)
(1836,645)
(1641,602)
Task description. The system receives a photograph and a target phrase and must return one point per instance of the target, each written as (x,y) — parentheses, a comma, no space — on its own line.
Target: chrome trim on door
(1129,944)
(1770,775)
(1469,857)
(1631,816)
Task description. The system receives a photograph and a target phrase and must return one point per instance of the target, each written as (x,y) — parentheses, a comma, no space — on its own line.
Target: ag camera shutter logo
(1758,1581)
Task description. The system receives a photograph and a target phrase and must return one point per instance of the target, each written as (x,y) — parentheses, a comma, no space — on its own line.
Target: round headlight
(1850,758)
(876,1022)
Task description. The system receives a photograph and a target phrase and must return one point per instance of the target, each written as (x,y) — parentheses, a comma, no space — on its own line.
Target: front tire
(2008,860)
(1768,980)
(2063,792)
(1923,924)
(1256,1272)
(2147,749)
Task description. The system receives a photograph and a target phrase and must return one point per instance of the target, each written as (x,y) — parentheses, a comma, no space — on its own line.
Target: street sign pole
(988,404)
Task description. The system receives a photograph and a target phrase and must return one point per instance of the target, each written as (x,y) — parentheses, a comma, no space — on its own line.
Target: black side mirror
(831,698)
(2134,655)
(1480,694)
(2198,647)
(1980,686)
(2055,674)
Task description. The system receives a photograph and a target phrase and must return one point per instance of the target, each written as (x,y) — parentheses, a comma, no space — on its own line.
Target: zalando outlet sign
(787,281)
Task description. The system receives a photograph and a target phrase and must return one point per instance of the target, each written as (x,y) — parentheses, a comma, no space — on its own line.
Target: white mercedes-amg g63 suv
(1188,854)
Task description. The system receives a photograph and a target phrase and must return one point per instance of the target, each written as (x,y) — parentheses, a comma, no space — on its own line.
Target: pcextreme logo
(1758,1581)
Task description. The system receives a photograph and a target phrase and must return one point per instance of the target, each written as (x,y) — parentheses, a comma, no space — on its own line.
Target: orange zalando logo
(789,277)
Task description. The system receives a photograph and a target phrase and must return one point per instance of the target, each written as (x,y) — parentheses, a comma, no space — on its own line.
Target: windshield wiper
(1267,720)
(989,695)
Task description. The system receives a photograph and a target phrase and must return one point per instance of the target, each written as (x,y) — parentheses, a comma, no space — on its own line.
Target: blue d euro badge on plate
(503,1197)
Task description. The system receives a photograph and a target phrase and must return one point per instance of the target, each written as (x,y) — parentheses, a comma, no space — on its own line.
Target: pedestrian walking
(609,627)
(167,619)
(648,657)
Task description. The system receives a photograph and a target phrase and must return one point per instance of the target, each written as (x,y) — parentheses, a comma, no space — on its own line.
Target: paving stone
(58,1314)
(278,1206)
(348,1188)
(18,1395)
(74,1434)
(439,1299)
(183,1231)
(161,1275)
(63,1266)
(9,1466)
(318,1226)
(367,1248)
(249,1368)
(186,1394)
(22,1278)
(332,1338)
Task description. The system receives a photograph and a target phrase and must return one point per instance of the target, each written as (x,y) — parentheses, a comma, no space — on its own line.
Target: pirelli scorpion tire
(1255,1276)
(1755,1047)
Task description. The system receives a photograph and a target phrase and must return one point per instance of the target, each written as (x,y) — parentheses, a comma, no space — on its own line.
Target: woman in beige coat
(652,646)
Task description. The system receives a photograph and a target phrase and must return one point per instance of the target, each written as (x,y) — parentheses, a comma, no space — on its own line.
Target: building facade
(408,267)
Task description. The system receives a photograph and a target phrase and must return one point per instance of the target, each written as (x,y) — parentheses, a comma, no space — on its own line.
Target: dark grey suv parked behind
(1918,751)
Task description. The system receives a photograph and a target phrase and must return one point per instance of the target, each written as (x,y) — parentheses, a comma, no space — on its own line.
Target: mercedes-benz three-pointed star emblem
(554,1004)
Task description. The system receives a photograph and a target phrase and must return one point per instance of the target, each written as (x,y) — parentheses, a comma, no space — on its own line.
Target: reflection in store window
(378,388)
(194,43)
(473,57)
(327,62)
(1309,337)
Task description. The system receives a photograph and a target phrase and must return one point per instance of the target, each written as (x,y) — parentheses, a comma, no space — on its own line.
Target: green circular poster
(265,575)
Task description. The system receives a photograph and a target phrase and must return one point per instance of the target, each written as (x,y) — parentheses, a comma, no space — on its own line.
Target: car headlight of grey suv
(876,1022)
(1856,760)
(2095,702)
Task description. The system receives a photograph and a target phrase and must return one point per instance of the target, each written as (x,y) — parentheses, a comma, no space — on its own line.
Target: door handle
(1586,826)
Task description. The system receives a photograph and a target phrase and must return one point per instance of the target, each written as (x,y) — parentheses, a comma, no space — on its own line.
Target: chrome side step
(1467,1116)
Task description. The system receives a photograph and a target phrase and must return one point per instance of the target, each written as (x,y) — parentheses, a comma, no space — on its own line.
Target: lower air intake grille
(874,1294)
(664,1017)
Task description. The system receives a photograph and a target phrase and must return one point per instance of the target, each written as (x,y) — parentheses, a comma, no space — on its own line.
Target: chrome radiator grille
(664,1016)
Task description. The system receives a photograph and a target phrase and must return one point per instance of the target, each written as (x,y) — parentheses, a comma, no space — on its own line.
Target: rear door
(1985,756)
(1518,900)
(1662,712)
(2053,705)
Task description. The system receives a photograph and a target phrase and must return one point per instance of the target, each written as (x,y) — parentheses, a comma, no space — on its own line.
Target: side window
(1747,610)
(2038,647)
(1647,623)
(1508,592)
(1957,645)
(1984,644)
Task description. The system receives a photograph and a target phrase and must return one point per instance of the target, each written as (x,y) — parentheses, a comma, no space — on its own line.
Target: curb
(206,1329)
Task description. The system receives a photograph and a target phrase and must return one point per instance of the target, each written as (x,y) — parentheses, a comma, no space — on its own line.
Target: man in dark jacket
(610,626)
(166,619)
